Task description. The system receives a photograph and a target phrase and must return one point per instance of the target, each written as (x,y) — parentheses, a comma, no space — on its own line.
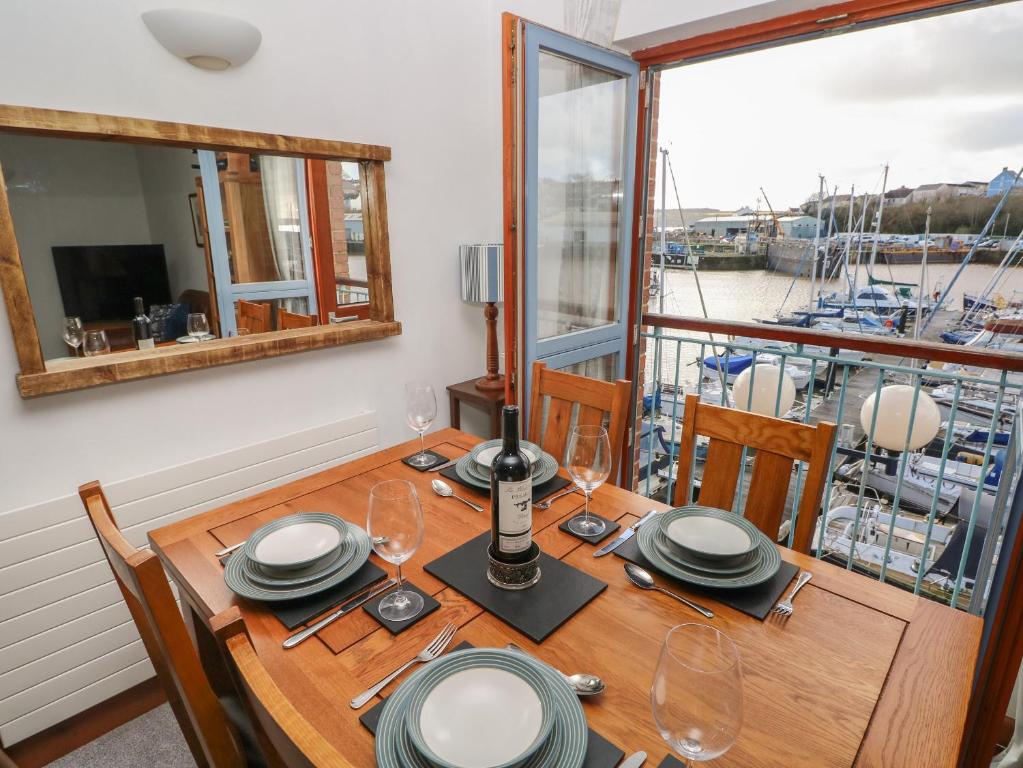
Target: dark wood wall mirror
(132,248)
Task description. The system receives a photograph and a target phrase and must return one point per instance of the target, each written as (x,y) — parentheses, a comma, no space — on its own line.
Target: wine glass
(589,464)
(420,411)
(395,524)
(96,343)
(696,695)
(197,326)
(74,334)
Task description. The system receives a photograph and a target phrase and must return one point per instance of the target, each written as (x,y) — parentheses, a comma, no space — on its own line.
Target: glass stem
(422,443)
(586,514)
(400,584)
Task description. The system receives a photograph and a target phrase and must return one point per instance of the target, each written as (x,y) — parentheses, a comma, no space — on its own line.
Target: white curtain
(281,177)
(592,20)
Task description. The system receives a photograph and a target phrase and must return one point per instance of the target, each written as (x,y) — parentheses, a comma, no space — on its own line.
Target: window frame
(38,377)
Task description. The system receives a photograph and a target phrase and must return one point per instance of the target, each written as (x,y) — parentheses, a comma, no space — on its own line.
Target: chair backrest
(287,320)
(599,402)
(252,315)
(778,444)
(297,742)
(144,585)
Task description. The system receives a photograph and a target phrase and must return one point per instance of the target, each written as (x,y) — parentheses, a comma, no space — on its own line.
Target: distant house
(897,196)
(925,192)
(945,190)
(727,225)
(1001,182)
(801,227)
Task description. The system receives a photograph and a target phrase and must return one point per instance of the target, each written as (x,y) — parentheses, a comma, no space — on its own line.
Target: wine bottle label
(515,516)
(146,343)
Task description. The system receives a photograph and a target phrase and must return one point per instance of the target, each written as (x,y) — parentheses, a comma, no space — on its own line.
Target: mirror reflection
(128,246)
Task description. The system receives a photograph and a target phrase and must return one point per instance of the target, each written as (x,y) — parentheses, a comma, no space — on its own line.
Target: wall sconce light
(204,40)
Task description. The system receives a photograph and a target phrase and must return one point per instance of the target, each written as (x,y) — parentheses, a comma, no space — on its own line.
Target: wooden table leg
(210,657)
(456,412)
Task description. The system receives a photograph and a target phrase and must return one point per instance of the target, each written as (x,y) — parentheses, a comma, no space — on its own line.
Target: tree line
(952,215)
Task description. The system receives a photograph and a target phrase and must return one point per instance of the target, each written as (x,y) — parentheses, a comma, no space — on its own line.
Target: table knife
(625,535)
(445,465)
(367,594)
(635,760)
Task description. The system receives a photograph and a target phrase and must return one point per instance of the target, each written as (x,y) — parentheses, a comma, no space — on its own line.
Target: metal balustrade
(927,520)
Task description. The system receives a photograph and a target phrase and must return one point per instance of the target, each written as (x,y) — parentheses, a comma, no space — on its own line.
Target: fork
(784,608)
(429,653)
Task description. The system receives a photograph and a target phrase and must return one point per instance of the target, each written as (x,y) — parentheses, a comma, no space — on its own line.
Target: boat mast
(848,235)
(923,278)
(663,290)
(877,225)
(995,280)
(859,245)
(827,245)
(816,240)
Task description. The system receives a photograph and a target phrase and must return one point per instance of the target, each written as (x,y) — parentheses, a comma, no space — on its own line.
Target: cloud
(1000,128)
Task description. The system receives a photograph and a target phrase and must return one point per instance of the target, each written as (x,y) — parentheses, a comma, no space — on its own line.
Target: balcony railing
(927,520)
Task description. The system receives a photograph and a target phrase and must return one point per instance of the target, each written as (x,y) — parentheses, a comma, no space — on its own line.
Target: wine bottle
(511,493)
(140,329)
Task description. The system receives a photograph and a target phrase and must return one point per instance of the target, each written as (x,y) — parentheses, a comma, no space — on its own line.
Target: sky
(939,99)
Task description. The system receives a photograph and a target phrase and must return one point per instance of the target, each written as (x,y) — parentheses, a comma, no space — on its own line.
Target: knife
(625,535)
(633,761)
(445,465)
(348,607)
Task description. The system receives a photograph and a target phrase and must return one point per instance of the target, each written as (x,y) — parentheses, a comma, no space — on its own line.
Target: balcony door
(579,109)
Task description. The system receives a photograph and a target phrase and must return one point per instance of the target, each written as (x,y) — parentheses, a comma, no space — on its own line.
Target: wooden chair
(143,583)
(778,444)
(287,320)
(252,315)
(297,742)
(598,401)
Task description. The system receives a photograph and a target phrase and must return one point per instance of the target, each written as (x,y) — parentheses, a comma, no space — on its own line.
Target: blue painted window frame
(227,292)
(576,347)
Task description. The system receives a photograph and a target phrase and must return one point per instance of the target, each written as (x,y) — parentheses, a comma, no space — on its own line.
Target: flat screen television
(98,282)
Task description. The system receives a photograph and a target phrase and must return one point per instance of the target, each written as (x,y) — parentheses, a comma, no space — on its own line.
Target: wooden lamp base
(493,380)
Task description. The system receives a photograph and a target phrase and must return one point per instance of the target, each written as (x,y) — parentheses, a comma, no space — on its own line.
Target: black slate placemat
(397,627)
(295,613)
(670,761)
(610,526)
(600,753)
(437,459)
(753,601)
(536,612)
(540,492)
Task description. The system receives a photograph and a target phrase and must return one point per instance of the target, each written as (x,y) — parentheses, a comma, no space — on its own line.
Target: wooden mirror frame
(37,377)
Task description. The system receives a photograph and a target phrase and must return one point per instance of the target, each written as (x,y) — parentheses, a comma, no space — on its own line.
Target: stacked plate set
(482,708)
(297,556)
(709,547)
(474,467)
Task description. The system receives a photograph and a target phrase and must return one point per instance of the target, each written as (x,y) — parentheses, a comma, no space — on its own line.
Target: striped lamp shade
(482,273)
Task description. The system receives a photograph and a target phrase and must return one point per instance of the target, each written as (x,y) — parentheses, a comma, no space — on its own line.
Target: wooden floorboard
(67,736)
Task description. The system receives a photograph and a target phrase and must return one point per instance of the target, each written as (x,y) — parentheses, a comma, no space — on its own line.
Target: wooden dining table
(861,674)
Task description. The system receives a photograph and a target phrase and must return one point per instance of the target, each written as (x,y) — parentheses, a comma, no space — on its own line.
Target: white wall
(67,193)
(167,180)
(423,78)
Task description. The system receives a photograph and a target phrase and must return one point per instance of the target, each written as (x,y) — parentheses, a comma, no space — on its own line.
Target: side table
(490,401)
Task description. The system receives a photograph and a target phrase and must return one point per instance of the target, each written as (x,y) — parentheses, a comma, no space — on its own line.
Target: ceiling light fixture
(204,40)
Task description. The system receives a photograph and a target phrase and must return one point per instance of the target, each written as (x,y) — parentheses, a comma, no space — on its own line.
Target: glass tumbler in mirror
(395,524)
(74,334)
(198,327)
(420,411)
(696,695)
(96,343)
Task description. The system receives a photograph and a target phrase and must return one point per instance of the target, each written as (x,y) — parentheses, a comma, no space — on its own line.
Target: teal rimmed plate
(453,712)
(239,583)
(769,561)
(565,747)
(307,575)
(709,534)
(295,541)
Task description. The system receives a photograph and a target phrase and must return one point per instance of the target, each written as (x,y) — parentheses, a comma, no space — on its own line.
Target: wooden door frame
(1004,646)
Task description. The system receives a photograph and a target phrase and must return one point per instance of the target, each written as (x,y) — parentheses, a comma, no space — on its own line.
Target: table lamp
(483,283)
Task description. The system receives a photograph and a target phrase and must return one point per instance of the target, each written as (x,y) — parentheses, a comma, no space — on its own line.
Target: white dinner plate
(711,536)
(294,542)
(485,458)
(192,339)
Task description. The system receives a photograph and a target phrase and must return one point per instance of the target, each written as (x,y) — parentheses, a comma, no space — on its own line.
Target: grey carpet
(153,740)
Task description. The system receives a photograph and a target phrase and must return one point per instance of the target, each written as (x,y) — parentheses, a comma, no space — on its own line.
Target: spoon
(642,579)
(443,489)
(582,684)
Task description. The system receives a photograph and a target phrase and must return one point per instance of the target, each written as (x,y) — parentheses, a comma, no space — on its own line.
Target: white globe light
(893,418)
(765,390)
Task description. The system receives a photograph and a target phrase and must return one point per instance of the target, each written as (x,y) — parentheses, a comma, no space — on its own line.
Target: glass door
(580,110)
(260,245)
